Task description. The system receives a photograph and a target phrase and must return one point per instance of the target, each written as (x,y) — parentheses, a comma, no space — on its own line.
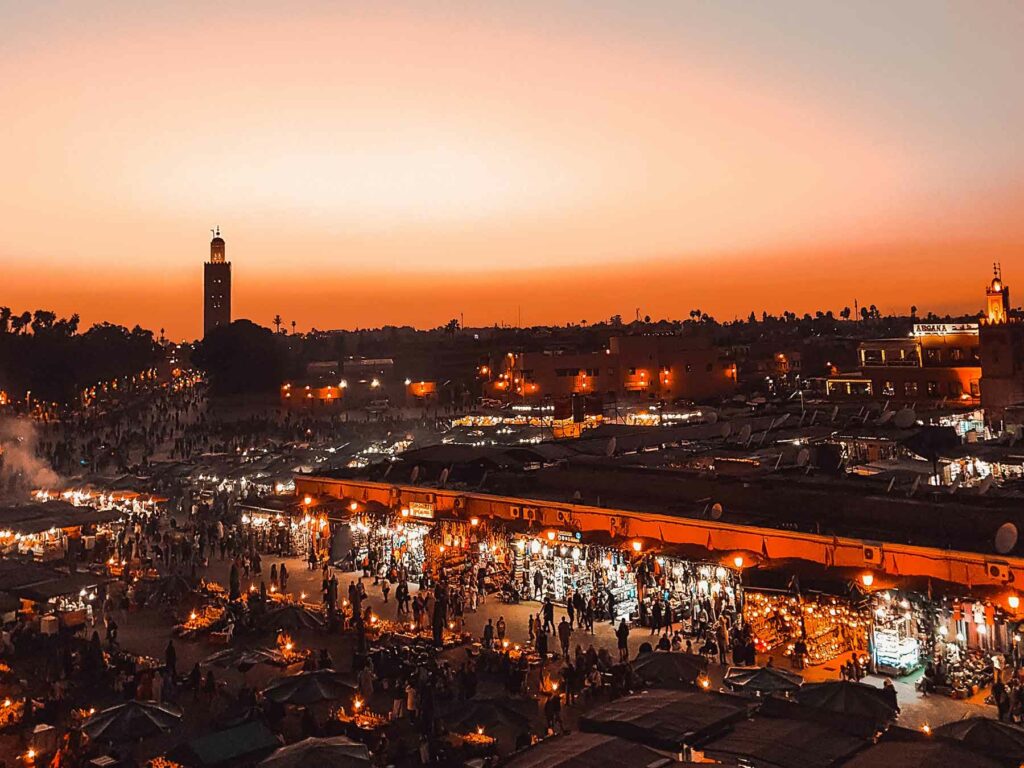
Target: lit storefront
(898,633)
(829,625)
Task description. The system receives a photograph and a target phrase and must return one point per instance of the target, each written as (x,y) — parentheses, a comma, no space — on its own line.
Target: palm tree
(293,327)
(277,323)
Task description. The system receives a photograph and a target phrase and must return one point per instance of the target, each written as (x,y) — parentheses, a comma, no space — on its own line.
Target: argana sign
(944,329)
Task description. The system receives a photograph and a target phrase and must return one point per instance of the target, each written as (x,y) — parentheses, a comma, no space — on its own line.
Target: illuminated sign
(944,329)
(421,510)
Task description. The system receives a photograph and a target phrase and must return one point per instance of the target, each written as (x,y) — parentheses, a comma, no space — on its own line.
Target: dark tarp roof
(36,517)
(588,750)
(64,585)
(918,754)
(992,738)
(780,743)
(667,719)
(250,741)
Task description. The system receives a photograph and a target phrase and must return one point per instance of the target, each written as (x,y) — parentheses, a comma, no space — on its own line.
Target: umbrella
(130,721)
(991,738)
(491,714)
(336,751)
(848,698)
(664,669)
(291,617)
(310,687)
(169,589)
(765,680)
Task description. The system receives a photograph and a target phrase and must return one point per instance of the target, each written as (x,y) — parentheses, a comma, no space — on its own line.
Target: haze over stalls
(402,163)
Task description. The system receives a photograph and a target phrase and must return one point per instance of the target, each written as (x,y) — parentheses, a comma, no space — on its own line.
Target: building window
(888,389)
(933,355)
(632,371)
(956,354)
(975,389)
(955,389)
(910,389)
(933,389)
(689,368)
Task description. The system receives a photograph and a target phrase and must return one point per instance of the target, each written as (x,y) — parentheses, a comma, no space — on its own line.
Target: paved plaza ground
(143,634)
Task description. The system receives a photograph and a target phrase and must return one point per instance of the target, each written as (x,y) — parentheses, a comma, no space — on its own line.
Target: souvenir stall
(970,638)
(459,550)
(830,625)
(381,540)
(898,634)
(272,531)
(562,564)
(686,584)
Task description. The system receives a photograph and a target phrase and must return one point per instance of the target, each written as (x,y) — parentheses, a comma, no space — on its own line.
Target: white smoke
(21,470)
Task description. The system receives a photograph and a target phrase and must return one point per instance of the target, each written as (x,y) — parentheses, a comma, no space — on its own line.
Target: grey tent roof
(667,719)
(782,743)
(933,753)
(249,741)
(589,750)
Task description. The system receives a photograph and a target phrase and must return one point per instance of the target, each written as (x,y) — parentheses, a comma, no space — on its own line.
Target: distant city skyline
(413,163)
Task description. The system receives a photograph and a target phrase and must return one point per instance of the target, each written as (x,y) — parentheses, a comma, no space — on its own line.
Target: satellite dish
(725,430)
(985,484)
(415,474)
(745,433)
(716,511)
(711,417)
(739,398)
(904,418)
(444,476)
(802,457)
(610,448)
(1006,538)
(885,418)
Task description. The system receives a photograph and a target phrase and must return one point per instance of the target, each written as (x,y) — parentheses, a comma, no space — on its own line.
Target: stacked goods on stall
(897,648)
(829,626)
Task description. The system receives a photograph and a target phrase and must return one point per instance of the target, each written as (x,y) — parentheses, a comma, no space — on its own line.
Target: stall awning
(66,585)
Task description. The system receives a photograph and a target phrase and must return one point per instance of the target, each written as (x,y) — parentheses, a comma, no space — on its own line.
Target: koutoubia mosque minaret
(216,286)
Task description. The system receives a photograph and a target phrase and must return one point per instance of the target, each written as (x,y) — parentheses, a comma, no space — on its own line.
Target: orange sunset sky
(402,163)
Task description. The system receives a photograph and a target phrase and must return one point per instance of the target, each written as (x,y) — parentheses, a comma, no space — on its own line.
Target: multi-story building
(939,362)
(656,367)
(216,286)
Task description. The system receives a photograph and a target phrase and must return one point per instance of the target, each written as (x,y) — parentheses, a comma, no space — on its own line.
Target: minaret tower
(216,286)
(997,296)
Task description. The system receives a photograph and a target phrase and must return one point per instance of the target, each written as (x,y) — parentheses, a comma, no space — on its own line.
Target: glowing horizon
(403,165)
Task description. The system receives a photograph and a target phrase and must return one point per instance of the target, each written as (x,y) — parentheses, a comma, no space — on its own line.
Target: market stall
(829,625)
(558,564)
(897,633)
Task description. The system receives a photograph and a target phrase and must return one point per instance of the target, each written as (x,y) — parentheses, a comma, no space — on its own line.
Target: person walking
(622,635)
(549,615)
(564,636)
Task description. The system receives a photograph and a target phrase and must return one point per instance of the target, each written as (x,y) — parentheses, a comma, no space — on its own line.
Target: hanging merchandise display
(896,634)
(380,544)
(686,587)
(558,565)
(829,625)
